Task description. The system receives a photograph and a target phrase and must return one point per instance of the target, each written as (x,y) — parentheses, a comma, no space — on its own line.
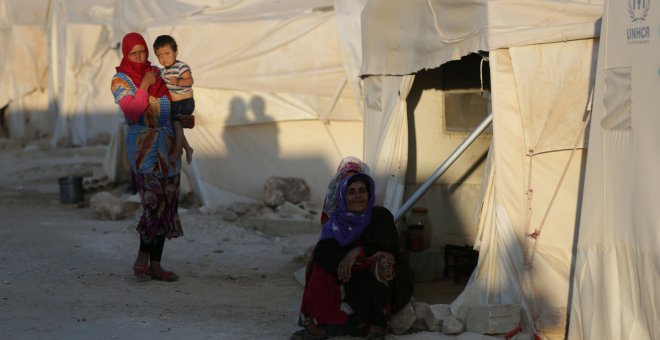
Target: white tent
(542,61)
(617,265)
(81,59)
(24,69)
(276,87)
(271,90)
(278,94)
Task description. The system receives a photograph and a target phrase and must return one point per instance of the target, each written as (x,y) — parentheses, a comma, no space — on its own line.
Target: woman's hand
(148,79)
(384,254)
(385,266)
(346,264)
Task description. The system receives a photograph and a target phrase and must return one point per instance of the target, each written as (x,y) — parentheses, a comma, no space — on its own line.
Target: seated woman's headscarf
(136,71)
(347,165)
(345,226)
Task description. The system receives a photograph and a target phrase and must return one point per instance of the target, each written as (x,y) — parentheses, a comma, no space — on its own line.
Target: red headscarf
(136,71)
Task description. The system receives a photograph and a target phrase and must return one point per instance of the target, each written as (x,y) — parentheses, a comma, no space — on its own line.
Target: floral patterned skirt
(160,203)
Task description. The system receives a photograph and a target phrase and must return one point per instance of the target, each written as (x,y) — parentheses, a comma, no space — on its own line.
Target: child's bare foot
(189,154)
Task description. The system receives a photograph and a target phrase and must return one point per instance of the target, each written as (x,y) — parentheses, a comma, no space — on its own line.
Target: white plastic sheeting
(542,57)
(276,90)
(617,267)
(402,37)
(423,34)
(81,59)
(24,69)
(530,191)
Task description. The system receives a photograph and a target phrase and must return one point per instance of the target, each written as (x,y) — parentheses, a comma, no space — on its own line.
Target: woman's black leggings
(154,248)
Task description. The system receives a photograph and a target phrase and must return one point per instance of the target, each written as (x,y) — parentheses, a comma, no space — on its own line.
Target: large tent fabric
(617,266)
(422,34)
(400,38)
(271,89)
(81,60)
(276,83)
(542,56)
(24,69)
(530,208)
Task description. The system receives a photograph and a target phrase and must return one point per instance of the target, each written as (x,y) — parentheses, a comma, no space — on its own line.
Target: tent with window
(542,57)
(287,88)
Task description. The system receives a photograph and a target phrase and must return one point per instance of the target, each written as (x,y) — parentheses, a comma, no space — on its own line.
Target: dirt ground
(65,274)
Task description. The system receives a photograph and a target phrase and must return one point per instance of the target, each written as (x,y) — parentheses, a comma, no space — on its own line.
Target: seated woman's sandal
(304,334)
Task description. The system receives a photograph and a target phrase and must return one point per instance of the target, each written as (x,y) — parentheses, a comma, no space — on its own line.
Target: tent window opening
(462,82)
(464,110)
(458,85)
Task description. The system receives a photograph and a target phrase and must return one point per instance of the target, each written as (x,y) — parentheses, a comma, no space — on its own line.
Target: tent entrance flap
(443,167)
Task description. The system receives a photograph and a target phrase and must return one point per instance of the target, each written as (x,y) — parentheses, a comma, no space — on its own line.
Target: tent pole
(443,167)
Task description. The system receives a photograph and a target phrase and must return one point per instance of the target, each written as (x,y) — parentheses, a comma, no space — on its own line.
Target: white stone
(300,274)
(452,326)
(229,215)
(436,315)
(107,206)
(403,320)
(421,309)
(288,209)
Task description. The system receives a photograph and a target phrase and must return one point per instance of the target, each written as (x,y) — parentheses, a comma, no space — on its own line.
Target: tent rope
(481,74)
(537,232)
(529,196)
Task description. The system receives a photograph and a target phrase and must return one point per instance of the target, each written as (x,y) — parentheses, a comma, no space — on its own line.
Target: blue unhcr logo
(638,9)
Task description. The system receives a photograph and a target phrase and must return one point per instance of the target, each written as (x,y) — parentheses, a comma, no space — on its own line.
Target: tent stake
(443,167)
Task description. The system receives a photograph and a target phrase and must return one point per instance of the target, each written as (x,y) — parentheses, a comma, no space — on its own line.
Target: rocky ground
(66,274)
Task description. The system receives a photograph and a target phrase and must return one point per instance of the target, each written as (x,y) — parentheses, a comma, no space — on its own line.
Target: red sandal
(141,273)
(164,276)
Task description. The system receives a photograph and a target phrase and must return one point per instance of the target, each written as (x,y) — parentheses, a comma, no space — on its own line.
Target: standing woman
(145,102)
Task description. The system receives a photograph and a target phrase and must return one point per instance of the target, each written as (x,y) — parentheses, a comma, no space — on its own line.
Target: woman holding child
(145,102)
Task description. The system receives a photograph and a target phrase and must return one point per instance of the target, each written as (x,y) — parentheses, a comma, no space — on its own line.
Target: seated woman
(356,278)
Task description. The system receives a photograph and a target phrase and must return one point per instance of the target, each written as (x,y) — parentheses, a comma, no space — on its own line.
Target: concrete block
(493,319)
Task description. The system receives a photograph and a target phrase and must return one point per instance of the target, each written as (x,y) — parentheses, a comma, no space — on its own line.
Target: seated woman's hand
(346,265)
(383,266)
(385,254)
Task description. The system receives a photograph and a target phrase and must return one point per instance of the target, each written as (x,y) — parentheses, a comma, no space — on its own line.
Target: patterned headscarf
(348,164)
(345,226)
(136,71)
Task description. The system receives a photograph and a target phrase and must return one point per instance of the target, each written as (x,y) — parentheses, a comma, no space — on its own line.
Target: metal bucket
(71,189)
